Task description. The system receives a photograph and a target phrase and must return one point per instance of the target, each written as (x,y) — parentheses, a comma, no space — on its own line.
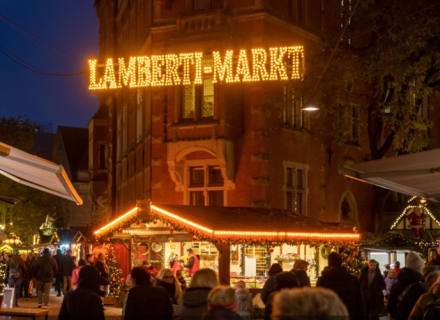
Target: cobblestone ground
(55,305)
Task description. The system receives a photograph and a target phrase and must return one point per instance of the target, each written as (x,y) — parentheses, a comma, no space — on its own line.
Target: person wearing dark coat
(68,267)
(346,286)
(45,271)
(194,299)
(59,278)
(27,277)
(372,283)
(103,269)
(181,279)
(284,280)
(145,301)
(83,302)
(270,284)
(300,271)
(408,287)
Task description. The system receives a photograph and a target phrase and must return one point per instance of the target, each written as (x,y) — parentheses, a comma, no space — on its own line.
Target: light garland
(396,222)
(124,216)
(163,70)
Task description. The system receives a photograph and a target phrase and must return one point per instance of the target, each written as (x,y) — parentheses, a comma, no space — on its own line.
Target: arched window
(348,208)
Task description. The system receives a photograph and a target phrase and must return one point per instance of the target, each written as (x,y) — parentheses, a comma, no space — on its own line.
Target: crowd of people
(412,292)
(36,272)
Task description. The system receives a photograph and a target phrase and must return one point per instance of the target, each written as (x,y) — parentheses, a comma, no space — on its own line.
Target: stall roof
(36,172)
(237,222)
(415,174)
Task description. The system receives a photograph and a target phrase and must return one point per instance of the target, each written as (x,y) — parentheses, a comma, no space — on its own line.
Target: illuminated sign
(278,63)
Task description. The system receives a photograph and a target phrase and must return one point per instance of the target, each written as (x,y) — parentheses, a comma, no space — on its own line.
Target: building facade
(244,144)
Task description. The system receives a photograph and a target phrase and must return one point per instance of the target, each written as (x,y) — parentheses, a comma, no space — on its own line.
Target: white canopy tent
(415,174)
(37,173)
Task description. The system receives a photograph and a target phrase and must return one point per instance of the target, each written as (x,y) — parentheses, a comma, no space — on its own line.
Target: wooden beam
(224,256)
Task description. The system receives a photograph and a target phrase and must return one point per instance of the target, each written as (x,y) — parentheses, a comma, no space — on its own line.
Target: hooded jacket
(401,303)
(194,303)
(347,287)
(245,305)
(83,302)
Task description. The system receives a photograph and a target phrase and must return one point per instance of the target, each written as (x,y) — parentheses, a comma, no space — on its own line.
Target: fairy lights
(274,64)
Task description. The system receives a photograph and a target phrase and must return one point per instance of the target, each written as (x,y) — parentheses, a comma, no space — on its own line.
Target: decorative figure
(416,218)
(345,209)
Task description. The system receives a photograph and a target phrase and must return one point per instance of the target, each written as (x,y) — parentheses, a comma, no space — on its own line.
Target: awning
(37,173)
(415,174)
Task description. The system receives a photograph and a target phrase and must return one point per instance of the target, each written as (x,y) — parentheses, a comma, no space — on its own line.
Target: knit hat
(334,260)
(414,261)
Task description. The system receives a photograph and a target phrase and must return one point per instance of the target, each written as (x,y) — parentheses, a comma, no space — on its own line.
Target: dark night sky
(71,26)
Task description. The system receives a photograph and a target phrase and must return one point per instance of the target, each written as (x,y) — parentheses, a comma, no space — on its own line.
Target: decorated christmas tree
(353,261)
(114,272)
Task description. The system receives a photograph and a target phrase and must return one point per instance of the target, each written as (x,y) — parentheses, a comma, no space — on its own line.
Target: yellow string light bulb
(109,80)
(198,63)
(144,71)
(93,85)
(157,76)
(127,77)
(259,59)
(172,63)
(277,67)
(223,71)
(242,68)
(186,59)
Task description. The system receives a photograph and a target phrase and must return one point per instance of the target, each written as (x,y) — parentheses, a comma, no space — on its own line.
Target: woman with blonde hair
(222,304)
(300,271)
(195,297)
(168,280)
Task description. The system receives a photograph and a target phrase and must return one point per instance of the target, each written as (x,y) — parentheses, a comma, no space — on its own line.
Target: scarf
(232,306)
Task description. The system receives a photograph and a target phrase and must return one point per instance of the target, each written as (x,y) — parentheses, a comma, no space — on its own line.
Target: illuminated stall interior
(238,243)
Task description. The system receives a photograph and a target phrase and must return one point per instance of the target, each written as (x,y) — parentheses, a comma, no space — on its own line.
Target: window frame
(206,188)
(292,191)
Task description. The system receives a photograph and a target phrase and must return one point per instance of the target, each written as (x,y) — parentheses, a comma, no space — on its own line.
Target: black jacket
(268,288)
(147,302)
(59,257)
(83,302)
(40,268)
(169,287)
(68,265)
(194,303)
(347,287)
(373,293)
(219,313)
(303,278)
(413,282)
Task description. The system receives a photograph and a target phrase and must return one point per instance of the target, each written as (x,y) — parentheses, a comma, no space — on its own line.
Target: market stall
(239,243)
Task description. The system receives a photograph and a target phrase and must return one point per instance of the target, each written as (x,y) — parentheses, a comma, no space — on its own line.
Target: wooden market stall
(223,237)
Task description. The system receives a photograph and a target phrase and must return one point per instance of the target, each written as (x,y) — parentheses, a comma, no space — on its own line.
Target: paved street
(55,305)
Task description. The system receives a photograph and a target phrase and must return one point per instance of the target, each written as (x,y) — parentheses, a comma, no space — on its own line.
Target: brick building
(218,144)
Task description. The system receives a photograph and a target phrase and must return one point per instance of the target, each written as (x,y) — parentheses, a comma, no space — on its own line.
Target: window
(293,114)
(102,163)
(139,115)
(205,184)
(198,101)
(349,117)
(296,9)
(296,187)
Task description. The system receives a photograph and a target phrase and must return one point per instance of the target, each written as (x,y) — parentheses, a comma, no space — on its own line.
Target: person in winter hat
(244,300)
(425,299)
(409,287)
(346,286)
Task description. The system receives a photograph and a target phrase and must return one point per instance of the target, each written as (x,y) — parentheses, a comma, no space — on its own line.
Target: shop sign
(273,64)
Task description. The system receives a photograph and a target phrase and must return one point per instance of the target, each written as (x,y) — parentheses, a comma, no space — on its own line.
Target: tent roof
(415,174)
(236,223)
(36,172)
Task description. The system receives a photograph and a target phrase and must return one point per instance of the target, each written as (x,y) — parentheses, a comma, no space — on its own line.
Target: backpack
(46,269)
(14,272)
(432,311)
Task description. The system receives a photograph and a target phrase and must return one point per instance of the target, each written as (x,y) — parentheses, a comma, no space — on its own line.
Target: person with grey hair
(410,285)
(308,303)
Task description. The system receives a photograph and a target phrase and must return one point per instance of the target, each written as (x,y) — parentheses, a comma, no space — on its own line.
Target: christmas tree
(2,276)
(353,262)
(114,272)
